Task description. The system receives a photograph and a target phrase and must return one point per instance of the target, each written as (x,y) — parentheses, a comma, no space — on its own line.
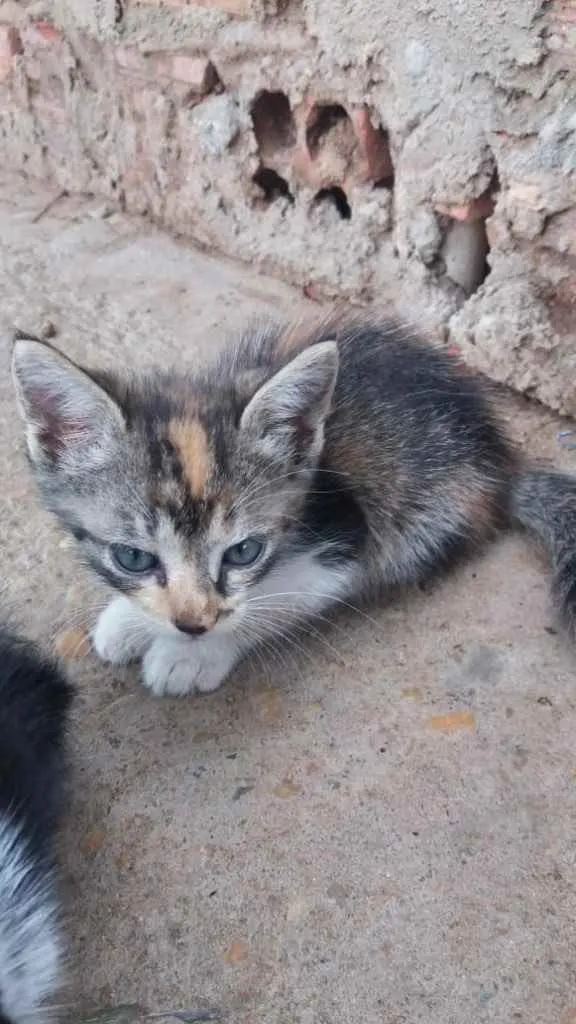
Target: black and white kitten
(302,469)
(34,703)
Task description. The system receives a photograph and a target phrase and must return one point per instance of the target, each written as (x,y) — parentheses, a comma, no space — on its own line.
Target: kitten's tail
(545,504)
(30,944)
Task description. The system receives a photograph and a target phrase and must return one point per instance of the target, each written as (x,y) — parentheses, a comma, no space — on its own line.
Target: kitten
(231,506)
(34,702)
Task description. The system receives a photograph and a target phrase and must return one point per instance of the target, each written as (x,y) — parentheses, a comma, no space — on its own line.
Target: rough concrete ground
(317,843)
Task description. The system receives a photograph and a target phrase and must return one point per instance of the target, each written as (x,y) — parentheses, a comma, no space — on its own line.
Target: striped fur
(357,455)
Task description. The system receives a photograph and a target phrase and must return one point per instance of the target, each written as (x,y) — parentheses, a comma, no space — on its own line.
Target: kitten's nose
(185,627)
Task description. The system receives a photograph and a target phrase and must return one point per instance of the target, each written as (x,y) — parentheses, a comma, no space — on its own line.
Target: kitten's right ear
(71,422)
(289,411)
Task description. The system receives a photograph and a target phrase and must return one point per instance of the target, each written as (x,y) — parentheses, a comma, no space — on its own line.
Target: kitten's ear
(71,422)
(289,410)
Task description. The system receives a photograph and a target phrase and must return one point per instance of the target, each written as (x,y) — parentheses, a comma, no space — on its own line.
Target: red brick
(194,71)
(356,154)
(373,147)
(197,73)
(329,160)
(10,47)
(47,32)
(10,41)
(467,213)
(40,35)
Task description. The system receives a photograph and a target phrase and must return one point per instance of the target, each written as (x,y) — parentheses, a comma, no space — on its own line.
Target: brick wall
(420,154)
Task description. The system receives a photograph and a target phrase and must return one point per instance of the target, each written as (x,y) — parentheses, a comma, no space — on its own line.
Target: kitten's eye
(133,559)
(243,554)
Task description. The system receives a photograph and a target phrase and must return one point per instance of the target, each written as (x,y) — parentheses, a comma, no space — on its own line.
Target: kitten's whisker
(287,631)
(301,621)
(330,600)
(280,634)
(269,643)
(77,617)
(254,649)
(296,625)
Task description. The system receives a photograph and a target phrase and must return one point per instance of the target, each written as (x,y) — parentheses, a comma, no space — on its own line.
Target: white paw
(177,667)
(121,633)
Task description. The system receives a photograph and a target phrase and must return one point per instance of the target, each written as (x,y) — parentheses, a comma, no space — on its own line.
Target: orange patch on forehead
(190,439)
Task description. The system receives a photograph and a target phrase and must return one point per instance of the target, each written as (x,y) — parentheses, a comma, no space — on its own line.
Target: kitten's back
(411,435)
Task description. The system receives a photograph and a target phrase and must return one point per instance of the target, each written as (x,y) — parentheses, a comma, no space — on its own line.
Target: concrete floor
(380,831)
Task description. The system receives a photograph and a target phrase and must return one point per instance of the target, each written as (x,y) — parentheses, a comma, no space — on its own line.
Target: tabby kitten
(300,470)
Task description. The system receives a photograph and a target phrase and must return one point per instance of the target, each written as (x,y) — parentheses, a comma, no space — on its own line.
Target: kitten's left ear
(288,412)
(71,422)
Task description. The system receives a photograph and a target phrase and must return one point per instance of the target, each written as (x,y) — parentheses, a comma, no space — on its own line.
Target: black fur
(34,704)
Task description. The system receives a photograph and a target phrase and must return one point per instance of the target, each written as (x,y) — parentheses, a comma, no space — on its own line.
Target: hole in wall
(272,184)
(386,167)
(494,187)
(118,11)
(386,182)
(212,82)
(212,85)
(485,244)
(273,123)
(465,254)
(385,177)
(327,119)
(337,197)
(466,247)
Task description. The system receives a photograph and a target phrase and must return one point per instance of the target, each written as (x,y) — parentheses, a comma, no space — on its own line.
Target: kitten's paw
(175,668)
(120,634)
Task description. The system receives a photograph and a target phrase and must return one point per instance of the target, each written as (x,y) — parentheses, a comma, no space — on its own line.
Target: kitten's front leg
(122,632)
(175,666)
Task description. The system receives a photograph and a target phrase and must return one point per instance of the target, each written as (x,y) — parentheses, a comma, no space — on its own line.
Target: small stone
(464,253)
(48,330)
(287,788)
(93,842)
(73,644)
(241,791)
(455,721)
(425,235)
(412,693)
(102,212)
(236,954)
(217,121)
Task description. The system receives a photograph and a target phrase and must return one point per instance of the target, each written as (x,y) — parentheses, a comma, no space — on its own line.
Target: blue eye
(243,554)
(133,560)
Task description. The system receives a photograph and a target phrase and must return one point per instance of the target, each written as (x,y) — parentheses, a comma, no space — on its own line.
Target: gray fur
(358,454)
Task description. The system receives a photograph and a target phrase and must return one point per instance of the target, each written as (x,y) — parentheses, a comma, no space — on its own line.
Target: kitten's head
(181,492)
